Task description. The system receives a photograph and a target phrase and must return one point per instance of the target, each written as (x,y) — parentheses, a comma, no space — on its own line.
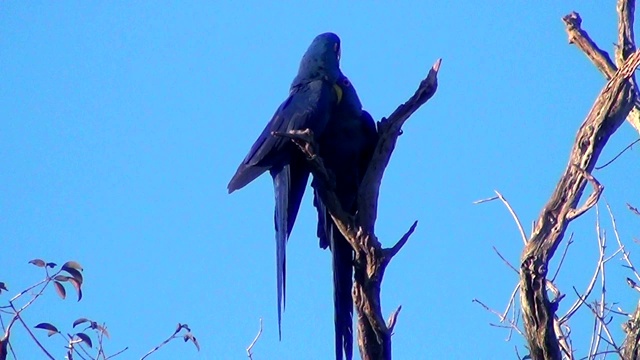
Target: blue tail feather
(289,183)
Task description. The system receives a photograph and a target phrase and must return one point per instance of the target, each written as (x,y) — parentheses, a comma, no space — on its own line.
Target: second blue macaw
(346,147)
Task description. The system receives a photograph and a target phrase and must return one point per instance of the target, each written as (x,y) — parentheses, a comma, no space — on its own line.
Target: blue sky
(122,123)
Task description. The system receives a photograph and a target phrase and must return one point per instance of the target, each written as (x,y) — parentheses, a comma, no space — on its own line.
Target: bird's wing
(307,107)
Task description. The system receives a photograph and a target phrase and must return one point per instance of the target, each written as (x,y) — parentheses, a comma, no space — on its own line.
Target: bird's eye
(346,82)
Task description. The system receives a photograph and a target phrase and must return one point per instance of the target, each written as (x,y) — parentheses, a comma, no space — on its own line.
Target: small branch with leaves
(76,344)
(177,334)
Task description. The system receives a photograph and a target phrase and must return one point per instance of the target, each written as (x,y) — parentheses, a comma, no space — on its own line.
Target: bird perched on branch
(313,95)
(346,147)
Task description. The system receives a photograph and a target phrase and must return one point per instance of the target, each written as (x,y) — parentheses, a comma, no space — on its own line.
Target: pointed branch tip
(436,65)
(393,318)
(391,252)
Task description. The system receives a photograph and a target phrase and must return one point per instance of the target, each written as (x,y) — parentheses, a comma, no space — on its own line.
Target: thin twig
(625,254)
(564,253)
(511,211)
(514,215)
(253,343)
(599,319)
(173,336)
(576,305)
(617,156)
(512,324)
(117,353)
(30,332)
(477,202)
(505,260)
(633,209)
(510,303)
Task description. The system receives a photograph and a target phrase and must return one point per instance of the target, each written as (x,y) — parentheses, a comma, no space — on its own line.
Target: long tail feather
(342,259)
(342,266)
(289,184)
(281,191)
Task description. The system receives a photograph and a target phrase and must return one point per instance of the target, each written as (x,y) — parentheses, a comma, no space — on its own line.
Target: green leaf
(37,262)
(85,338)
(189,336)
(72,265)
(52,330)
(76,274)
(60,289)
(80,321)
(77,286)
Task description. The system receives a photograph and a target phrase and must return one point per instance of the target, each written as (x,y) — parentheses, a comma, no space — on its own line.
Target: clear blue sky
(121,124)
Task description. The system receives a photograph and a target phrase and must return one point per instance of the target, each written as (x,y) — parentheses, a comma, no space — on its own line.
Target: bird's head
(321,60)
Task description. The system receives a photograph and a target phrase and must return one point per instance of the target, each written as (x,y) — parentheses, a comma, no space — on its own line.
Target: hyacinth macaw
(312,97)
(346,147)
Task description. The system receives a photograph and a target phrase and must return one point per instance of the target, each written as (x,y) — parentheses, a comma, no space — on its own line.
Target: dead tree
(616,101)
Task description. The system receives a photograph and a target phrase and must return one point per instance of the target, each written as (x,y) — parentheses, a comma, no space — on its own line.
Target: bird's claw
(302,138)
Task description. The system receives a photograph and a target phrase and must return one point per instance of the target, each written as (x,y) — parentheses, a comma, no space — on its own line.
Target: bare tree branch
(511,211)
(598,57)
(389,129)
(626,40)
(253,343)
(514,215)
(391,252)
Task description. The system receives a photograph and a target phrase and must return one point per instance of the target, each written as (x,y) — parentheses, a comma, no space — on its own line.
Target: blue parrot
(312,97)
(346,147)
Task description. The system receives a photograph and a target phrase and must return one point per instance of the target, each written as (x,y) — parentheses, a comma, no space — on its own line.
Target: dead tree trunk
(612,106)
(607,114)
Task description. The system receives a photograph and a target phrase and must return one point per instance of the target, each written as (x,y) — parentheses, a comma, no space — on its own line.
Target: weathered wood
(599,57)
(608,112)
(631,345)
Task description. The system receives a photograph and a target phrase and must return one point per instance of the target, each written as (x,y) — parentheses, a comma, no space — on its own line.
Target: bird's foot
(302,138)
